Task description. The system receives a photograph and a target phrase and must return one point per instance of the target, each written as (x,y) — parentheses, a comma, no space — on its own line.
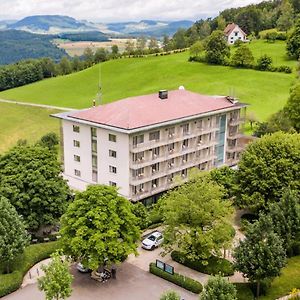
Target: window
(94,175)
(77,173)
(185,129)
(76,128)
(138,173)
(171,163)
(171,147)
(94,146)
(184,173)
(112,138)
(154,183)
(111,183)
(112,153)
(185,144)
(154,136)
(171,132)
(112,169)
(94,132)
(184,158)
(94,161)
(155,168)
(236,33)
(77,158)
(155,153)
(76,143)
(138,157)
(138,139)
(200,124)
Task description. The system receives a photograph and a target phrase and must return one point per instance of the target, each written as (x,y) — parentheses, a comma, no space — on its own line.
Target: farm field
(266,92)
(24,122)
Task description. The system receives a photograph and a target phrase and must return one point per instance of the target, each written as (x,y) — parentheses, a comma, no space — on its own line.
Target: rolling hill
(266,92)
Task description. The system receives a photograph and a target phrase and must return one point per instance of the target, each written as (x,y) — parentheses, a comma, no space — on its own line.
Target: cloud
(118,10)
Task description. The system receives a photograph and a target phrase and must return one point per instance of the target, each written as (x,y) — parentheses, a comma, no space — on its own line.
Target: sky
(118,10)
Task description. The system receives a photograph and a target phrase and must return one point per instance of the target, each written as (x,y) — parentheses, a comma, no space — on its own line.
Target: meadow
(24,122)
(266,92)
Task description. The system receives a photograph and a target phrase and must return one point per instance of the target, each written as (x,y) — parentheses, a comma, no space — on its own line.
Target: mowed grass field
(266,92)
(275,50)
(24,122)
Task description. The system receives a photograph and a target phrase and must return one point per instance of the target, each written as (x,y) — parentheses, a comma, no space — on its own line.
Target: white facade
(236,34)
(144,162)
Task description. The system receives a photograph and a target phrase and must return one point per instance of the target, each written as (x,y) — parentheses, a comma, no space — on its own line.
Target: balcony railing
(236,121)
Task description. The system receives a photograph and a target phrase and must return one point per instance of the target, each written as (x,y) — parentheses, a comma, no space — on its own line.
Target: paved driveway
(132,283)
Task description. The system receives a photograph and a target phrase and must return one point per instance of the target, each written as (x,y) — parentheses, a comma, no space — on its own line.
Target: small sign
(160,264)
(169,269)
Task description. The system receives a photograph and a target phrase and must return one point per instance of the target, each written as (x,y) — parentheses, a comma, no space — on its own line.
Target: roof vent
(232,99)
(181,87)
(163,94)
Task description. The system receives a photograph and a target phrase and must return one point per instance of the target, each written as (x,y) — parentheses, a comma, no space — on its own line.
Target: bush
(284,69)
(178,279)
(214,266)
(244,291)
(32,255)
(264,63)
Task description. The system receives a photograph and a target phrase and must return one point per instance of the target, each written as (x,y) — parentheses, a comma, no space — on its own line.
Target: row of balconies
(166,168)
(171,138)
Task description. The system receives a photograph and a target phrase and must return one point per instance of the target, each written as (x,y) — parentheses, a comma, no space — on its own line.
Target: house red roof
(141,111)
(230,27)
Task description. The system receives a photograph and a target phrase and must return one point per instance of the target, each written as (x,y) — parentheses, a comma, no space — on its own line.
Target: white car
(154,240)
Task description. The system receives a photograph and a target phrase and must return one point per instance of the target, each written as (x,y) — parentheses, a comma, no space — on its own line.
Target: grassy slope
(266,92)
(276,50)
(289,279)
(22,122)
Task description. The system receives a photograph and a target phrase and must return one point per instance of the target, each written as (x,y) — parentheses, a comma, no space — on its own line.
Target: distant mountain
(147,27)
(50,24)
(56,24)
(18,45)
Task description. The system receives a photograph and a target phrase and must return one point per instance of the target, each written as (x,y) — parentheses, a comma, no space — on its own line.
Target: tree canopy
(293,42)
(30,178)
(242,57)
(197,219)
(99,227)
(293,107)
(267,166)
(56,283)
(13,236)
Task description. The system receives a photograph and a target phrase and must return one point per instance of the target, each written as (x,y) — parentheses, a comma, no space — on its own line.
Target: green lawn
(266,92)
(24,122)
(289,279)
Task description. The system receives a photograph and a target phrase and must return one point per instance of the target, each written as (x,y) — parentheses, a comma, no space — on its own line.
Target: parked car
(81,268)
(154,240)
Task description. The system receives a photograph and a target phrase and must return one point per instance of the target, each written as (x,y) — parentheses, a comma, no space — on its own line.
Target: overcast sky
(118,10)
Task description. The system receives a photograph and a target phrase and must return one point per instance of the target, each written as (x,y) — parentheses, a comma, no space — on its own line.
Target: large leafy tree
(285,216)
(261,255)
(56,283)
(13,236)
(286,19)
(30,178)
(197,219)
(99,227)
(267,166)
(216,48)
(293,107)
(243,57)
(218,288)
(293,42)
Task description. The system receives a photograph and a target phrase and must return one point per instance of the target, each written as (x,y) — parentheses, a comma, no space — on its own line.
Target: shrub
(284,69)
(264,63)
(178,279)
(32,255)
(215,265)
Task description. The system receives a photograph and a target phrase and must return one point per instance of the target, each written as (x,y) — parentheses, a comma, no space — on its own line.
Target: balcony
(236,121)
(236,148)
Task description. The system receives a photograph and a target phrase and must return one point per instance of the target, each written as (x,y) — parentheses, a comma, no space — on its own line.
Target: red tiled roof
(147,110)
(230,27)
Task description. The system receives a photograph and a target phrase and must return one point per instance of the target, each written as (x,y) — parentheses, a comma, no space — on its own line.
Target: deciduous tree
(293,41)
(13,236)
(196,49)
(243,57)
(56,283)
(293,107)
(197,219)
(99,227)
(218,288)
(30,177)
(267,166)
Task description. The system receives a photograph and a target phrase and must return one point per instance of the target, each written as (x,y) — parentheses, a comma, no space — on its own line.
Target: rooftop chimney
(163,94)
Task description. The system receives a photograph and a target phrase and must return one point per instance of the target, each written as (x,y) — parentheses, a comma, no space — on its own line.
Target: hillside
(50,24)
(17,45)
(266,92)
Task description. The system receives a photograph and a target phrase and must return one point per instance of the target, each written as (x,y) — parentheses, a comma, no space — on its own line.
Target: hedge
(215,265)
(178,279)
(32,255)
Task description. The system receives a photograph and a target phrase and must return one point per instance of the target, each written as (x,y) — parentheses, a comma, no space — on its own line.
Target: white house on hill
(233,33)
